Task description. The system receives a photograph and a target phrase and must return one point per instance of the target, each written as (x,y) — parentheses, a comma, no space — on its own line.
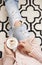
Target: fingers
(7,50)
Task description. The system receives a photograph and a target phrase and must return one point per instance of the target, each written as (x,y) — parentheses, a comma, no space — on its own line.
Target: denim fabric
(16,1)
(13,11)
(20,33)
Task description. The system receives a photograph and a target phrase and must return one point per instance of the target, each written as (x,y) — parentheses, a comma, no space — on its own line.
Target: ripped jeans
(21,32)
(13,11)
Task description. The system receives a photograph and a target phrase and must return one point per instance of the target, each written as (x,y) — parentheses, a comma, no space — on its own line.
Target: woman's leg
(13,11)
(19,30)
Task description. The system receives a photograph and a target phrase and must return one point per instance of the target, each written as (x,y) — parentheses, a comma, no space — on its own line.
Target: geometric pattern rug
(31,12)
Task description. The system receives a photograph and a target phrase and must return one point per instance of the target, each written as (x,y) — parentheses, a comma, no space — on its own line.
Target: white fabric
(26,60)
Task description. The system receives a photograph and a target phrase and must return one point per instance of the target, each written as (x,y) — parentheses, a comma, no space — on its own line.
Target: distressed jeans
(13,11)
(21,32)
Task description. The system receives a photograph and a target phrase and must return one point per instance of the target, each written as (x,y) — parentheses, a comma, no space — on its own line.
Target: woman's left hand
(9,54)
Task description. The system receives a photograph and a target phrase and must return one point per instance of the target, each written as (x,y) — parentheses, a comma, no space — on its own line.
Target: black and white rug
(31,11)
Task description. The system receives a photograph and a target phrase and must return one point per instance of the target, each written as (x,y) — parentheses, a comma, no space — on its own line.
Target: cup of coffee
(12,43)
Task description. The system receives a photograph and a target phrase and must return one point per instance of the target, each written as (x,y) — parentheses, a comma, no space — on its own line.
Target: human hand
(9,54)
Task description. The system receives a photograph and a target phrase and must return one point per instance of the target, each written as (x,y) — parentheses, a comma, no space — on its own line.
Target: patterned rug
(31,11)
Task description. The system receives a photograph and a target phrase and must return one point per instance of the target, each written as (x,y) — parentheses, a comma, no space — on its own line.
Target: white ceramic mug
(12,43)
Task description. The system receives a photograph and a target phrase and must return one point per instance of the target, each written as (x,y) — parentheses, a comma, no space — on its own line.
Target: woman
(19,31)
